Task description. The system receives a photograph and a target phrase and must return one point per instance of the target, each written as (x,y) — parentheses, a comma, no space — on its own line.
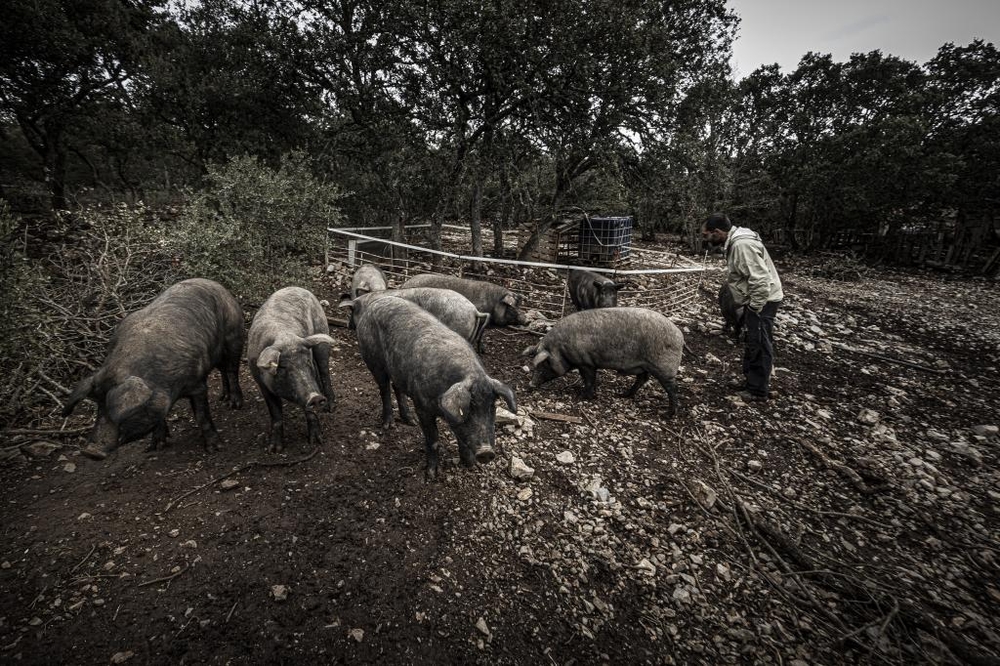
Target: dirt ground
(853,518)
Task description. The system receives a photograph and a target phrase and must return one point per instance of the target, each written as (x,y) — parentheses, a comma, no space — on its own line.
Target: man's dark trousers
(758,356)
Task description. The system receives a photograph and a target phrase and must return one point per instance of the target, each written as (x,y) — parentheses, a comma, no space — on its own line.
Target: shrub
(255,229)
(58,311)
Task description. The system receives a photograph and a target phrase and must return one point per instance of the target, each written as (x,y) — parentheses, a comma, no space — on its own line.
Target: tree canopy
(503,112)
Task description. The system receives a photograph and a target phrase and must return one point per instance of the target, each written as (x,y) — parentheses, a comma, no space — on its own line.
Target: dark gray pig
(406,346)
(731,313)
(589,290)
(449,307)
(367,278)
(633,341)
(160,354)
(496,301)
(288,349)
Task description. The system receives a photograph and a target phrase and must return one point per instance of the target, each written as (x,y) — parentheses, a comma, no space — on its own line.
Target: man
(755,285)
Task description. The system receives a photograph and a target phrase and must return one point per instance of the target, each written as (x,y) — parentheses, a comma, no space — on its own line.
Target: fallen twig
(249,465)
(564,418)
(80,564)
(46,431)
(165,579)
(231,610)
(880,357)
(805,507)
(520,329)
(842,469)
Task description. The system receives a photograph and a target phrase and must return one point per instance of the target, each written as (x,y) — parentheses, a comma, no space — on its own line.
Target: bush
(255,229)
(58,311)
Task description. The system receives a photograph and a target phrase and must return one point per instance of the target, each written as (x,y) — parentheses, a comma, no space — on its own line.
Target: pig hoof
(485,455)
(95,453)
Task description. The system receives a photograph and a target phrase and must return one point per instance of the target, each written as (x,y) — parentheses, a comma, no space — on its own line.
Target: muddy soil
(637,551)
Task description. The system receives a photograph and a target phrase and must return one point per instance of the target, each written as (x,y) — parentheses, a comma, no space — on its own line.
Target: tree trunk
(544,226)
(476,217)
(791,218)
(55,165)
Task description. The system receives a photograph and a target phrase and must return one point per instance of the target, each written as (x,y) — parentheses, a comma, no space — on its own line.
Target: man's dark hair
(718,221)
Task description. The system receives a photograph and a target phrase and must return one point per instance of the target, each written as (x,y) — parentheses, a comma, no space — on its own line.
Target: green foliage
(255,229)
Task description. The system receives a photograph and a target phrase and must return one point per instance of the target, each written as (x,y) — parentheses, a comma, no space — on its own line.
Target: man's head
(716,228)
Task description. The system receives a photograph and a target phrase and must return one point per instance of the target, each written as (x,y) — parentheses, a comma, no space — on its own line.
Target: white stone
(986,430)
(869,416)
(705,494)
(566,458)
(519,470)
(279,592)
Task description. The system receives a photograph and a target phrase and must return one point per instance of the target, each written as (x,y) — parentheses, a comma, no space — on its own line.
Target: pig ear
(346,301)
(317,339)
(509,299)
(455,402)
(81,391)
(619,286)
(554,362)
(126,397)
(530,351)
(268,360)
(506,393)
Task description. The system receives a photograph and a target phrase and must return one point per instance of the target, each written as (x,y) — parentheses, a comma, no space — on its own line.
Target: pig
(159,354)
(499,303)
(406,346)
(288,349)
(731,313)
(590,290)
(449,307)
(633,341)
(367,278)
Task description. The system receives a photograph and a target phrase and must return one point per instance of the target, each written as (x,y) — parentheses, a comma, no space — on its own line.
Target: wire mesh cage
(666,282)
(605,240)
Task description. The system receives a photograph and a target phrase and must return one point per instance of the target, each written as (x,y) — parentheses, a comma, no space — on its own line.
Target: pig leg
(202,415)
(669,385)
(159,438)
(231,392)
(277,435)
(589,382)
(428,425)
(321,354)
(404,406)
(386,395)
(640,380)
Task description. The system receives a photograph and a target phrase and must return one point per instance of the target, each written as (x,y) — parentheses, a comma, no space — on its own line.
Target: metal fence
(662,281)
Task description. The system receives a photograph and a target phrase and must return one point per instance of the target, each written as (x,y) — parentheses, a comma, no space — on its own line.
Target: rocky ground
(853,518)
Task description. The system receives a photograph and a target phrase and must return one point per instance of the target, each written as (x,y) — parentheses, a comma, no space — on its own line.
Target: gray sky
(783,31)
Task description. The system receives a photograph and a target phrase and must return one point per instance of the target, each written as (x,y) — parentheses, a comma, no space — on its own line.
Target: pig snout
(315,401)
(485,454)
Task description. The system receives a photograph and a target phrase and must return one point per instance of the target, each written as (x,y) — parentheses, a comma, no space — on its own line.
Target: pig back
(291,310)
(483,295)
(368,278)
(617,338)
(448,306)
(422,356)
(181,335)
